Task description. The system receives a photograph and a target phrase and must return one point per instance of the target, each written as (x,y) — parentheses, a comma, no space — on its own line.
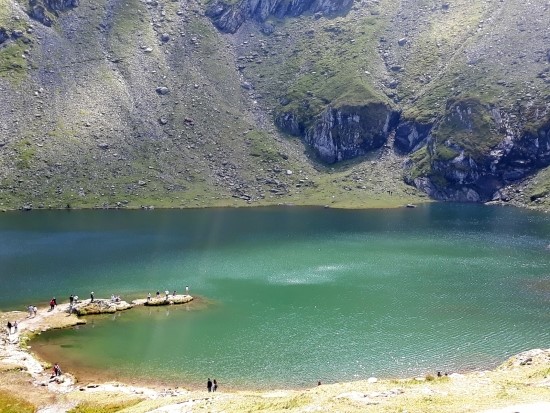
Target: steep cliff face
(410,135)
(457,165)
(350,131)
(228,17)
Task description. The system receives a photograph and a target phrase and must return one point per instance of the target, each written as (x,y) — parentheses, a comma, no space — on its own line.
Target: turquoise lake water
(286,296)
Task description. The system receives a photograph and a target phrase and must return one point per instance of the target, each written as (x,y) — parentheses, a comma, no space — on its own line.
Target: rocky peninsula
(521,384)
(109,306)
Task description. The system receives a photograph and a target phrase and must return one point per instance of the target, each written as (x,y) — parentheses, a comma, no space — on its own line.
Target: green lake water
(286,296)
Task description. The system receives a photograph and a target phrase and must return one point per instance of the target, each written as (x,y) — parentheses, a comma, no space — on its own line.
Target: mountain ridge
(128,103)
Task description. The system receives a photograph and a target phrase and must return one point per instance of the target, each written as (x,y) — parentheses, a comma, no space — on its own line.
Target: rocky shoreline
(521,384)
(109,306)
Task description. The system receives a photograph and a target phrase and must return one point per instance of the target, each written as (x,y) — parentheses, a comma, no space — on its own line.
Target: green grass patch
(13,65)
(468,124)
(103,408)
(421,163)
(26,153)
(12,404)
(310,64)
(261,146)
(127,21)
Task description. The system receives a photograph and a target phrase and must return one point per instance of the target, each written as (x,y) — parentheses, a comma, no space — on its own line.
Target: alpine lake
(285,296)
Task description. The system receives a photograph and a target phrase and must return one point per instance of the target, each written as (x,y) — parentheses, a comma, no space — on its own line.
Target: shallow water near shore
(286,296)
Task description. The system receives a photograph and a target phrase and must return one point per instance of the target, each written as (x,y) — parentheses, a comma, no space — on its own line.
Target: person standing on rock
(54,302)
(9,328)
(209,385)
(92,297)
(71,300)
(34,310)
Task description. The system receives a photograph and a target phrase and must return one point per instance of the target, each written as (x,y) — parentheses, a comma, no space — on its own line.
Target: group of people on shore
(212,385)
(33,310)
(167,293)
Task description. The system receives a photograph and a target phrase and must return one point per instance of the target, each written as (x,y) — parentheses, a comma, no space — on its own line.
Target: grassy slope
(105,94)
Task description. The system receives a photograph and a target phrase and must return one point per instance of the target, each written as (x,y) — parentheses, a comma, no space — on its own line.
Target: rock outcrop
(3,35)
(228,17)
(350,131)
(42,10)
(410,135)
(100,306)
(453,168)
(165,300)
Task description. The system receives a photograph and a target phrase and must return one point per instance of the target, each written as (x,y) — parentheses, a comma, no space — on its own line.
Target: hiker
(214,385)
(52,304)
(209,385)
(34,310)
(56,370)
(71,300)
(9,328)
(92,297)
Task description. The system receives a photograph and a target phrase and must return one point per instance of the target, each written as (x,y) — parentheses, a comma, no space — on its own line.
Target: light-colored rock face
(349,132)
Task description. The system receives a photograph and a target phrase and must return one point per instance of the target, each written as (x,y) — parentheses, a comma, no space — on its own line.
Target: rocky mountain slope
(223,102)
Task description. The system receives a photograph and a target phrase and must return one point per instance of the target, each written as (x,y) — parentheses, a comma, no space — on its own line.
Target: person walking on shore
(209,385)
(56,370)
(214,385)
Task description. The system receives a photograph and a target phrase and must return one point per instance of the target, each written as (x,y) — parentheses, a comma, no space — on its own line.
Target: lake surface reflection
(286,296)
